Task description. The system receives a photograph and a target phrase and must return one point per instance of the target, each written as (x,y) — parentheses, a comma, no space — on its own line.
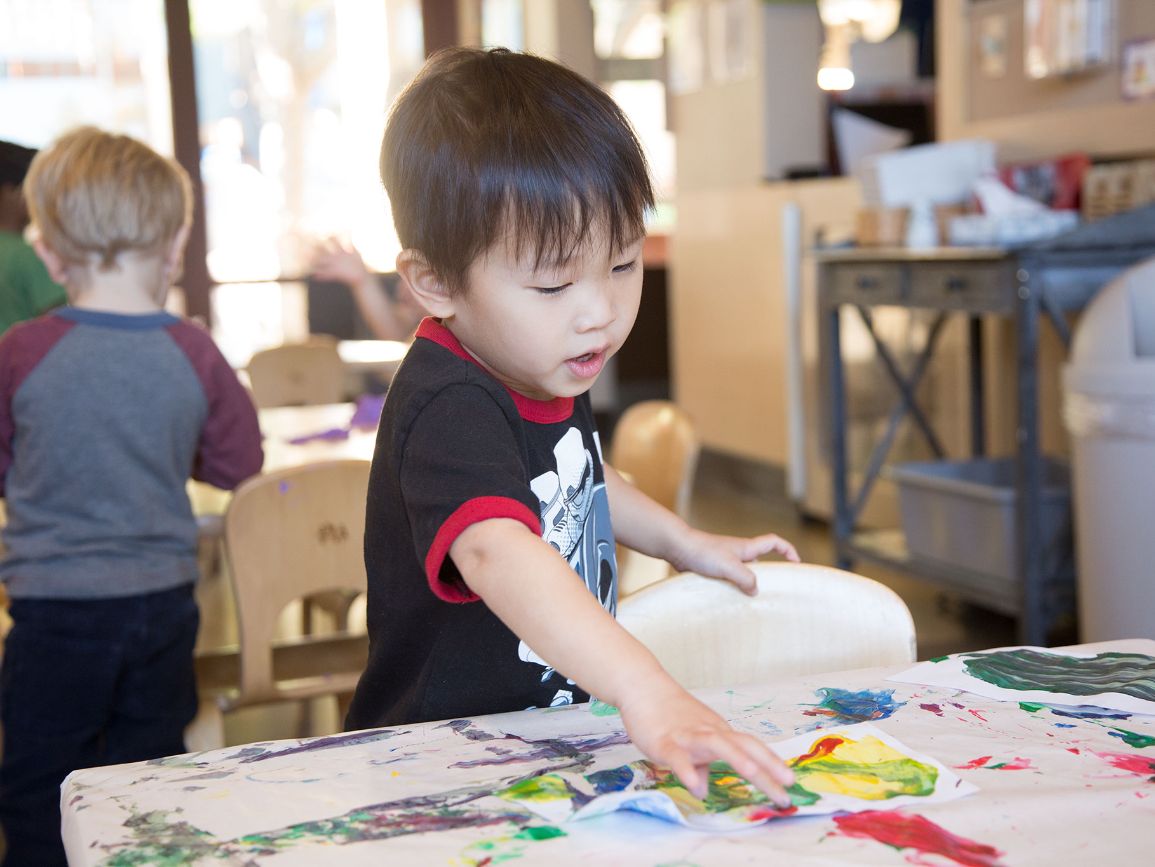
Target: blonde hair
(98,193)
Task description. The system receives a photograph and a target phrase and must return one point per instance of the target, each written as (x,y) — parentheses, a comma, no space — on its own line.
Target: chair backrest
(654,442)
(298,374)
(291,534)
(805,620)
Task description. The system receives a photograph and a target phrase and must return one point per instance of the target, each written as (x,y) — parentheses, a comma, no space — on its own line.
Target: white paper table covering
(1053,789)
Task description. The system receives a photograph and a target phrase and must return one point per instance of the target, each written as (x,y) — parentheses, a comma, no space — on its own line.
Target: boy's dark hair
(14,162)
(486,145)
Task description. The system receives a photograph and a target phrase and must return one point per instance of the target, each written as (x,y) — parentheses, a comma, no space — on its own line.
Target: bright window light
(835,78)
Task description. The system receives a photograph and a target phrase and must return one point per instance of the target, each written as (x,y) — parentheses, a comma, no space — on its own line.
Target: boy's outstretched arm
(648,527)
(527,584)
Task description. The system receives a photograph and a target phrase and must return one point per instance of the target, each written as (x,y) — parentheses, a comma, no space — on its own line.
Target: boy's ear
(174,253)
(426,286)
(54,263)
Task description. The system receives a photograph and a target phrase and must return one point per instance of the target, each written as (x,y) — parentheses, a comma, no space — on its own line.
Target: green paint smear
(801,797)
(1131,674)
(1134,739)
(547,787)
(726,790)
(912,777)
(939,658)
(497,850)
(600,708)
(1031,707)
(542,832)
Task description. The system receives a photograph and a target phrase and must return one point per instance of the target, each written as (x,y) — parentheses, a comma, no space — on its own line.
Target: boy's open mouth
(588,364)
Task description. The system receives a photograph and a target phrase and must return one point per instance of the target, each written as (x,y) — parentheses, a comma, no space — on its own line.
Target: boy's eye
(627,267)
(551,290)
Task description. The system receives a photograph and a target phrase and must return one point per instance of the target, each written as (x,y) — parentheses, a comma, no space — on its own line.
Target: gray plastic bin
(1109,410)
(962,513)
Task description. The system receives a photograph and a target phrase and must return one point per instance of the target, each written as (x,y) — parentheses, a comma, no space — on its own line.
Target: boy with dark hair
(26,290)
(519,193)
(106,407)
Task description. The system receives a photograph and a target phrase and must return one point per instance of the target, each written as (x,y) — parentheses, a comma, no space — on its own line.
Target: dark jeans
(85,683)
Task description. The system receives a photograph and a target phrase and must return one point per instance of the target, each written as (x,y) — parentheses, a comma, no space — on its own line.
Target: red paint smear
(771,813)
(933,708)
(823,748)
(974,763)
(1074,750)
(1016,764)
(1134,763)
(916,832)
(977,714)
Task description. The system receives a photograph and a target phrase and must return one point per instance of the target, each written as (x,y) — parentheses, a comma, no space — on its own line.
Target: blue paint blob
(1088,711)
(612,780)
(853,707)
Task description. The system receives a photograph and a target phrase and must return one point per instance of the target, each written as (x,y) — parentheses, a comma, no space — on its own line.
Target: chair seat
(805,619)
(293,690)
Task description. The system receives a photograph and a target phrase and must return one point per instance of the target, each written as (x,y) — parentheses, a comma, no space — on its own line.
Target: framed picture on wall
(1138,69)
(1064,37)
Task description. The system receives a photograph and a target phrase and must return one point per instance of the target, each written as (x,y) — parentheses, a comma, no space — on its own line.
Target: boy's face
(548,331)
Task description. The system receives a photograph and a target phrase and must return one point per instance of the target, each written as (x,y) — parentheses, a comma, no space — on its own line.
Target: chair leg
(207,730)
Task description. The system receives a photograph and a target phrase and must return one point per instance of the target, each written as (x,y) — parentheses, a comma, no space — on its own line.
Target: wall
(1032,119)
(727,306)
(729,325)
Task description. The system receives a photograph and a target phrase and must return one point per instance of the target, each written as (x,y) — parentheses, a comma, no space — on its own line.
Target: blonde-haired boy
(106,408)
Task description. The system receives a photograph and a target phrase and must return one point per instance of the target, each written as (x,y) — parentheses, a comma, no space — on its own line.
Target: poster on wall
(686,51)
(1138,69)
(728,28)
(1064,37)
(993,46)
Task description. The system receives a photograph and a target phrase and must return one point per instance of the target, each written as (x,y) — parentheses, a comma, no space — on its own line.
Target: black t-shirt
(456,447)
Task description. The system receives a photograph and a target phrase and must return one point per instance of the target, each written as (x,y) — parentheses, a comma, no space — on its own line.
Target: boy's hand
(726,556)
(677,731)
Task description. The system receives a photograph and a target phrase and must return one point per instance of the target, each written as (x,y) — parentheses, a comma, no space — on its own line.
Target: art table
(1065,787)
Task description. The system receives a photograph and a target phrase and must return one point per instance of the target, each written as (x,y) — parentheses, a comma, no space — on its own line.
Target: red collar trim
(539,411)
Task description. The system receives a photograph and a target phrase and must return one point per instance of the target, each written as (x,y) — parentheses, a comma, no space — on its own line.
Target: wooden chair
(289,535)
(298,374)
(805,620)
(656,448)
(655,443)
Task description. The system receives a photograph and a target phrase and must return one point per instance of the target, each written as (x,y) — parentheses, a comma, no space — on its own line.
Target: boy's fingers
(742,577)
(773,543)
(685,770)
(754,761)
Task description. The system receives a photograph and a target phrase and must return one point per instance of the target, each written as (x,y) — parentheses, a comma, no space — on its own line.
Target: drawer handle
(954,283)
(865,281)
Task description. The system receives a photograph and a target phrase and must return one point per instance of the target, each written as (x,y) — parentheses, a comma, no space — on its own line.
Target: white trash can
(1109,410)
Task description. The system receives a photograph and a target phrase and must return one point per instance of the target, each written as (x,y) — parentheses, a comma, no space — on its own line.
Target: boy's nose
(599,311)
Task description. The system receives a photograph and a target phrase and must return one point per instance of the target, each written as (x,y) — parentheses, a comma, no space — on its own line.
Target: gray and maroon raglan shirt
(103,419)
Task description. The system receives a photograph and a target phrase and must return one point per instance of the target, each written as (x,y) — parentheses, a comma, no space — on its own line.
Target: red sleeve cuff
(466,515)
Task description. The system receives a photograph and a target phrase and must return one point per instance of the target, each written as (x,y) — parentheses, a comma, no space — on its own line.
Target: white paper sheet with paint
(1045,676)
(842,769)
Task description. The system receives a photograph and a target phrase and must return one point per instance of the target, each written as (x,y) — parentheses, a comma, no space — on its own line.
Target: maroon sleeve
(22,348)
(230,446)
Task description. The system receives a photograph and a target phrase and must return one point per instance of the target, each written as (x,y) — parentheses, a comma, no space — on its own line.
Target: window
(64,63)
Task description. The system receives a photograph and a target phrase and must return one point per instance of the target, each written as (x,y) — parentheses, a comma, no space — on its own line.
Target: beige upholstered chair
(656,448)
(298,374)
(805,620)
(289,535)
